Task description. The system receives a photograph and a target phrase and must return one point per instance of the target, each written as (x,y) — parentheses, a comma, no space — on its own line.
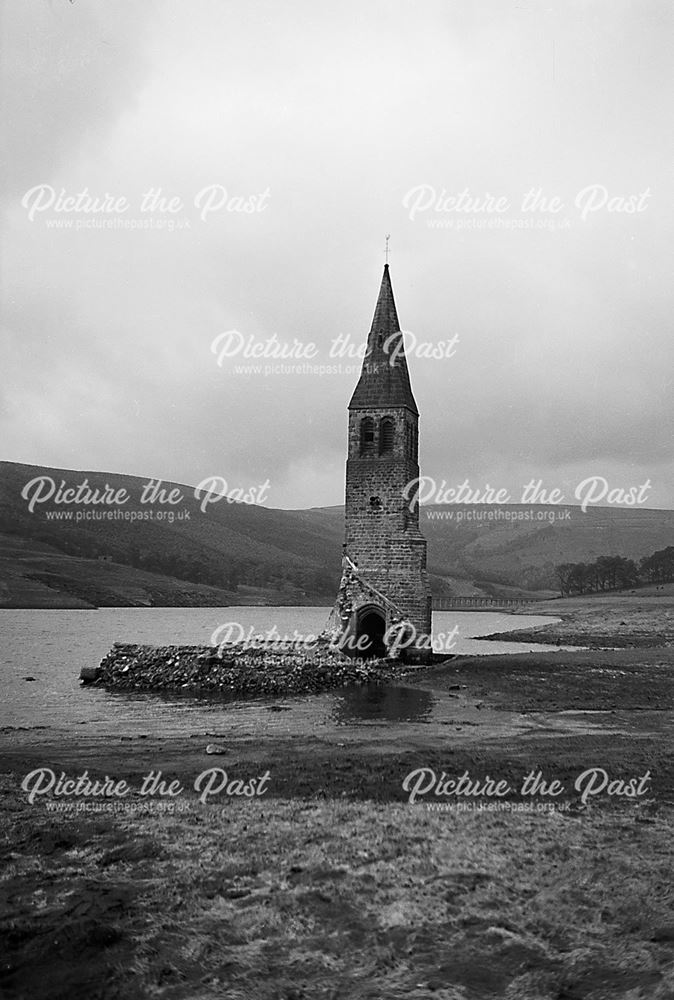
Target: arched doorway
(370,630)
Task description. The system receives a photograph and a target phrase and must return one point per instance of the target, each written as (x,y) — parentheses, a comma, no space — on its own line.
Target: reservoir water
(51,646)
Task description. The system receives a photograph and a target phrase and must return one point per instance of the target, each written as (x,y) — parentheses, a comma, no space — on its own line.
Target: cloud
(563,363)
(68,71)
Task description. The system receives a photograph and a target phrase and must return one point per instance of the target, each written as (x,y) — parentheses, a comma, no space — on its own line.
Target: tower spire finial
(384,379)
(386,249)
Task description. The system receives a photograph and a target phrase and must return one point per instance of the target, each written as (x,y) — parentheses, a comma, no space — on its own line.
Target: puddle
(382,704)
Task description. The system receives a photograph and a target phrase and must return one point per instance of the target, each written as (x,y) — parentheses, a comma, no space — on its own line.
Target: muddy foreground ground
(332,884)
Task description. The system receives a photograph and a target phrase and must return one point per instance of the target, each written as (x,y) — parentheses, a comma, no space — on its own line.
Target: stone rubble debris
(239,672)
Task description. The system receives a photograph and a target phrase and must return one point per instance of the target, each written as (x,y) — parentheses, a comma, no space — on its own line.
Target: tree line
(615,573)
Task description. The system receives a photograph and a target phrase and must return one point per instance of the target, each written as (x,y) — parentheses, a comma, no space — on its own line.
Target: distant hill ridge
(237,553)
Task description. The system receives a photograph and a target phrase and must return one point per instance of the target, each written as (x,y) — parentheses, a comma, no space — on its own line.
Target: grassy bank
(304,899)
(644,619)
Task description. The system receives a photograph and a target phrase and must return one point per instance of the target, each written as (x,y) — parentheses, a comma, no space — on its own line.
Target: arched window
(366,436)
(386,435)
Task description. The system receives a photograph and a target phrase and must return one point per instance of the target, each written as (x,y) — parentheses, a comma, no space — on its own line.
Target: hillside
(232,553)
(63,555)
(523,553)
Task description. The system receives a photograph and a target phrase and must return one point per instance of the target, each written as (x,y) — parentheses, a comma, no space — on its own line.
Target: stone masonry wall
(383,538)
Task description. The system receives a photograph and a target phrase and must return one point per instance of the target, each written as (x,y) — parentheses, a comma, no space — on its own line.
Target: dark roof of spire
(384,378)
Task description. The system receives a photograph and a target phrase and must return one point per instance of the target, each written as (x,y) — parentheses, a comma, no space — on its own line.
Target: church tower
(384,580)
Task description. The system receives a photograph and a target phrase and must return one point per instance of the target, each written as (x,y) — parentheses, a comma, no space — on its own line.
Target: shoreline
(334,872)
(607,623)
(555,707)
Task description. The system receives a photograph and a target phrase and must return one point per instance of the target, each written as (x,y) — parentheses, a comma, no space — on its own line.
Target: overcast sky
(339,123)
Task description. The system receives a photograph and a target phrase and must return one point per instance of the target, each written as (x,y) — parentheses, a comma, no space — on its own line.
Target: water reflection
(374,703)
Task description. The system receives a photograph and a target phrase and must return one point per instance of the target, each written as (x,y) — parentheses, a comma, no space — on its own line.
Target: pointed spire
(384,378)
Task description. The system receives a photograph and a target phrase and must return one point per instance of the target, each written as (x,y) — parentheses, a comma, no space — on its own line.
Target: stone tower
(384,581)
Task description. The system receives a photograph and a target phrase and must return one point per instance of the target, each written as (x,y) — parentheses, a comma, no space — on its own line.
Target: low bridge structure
(482,603)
